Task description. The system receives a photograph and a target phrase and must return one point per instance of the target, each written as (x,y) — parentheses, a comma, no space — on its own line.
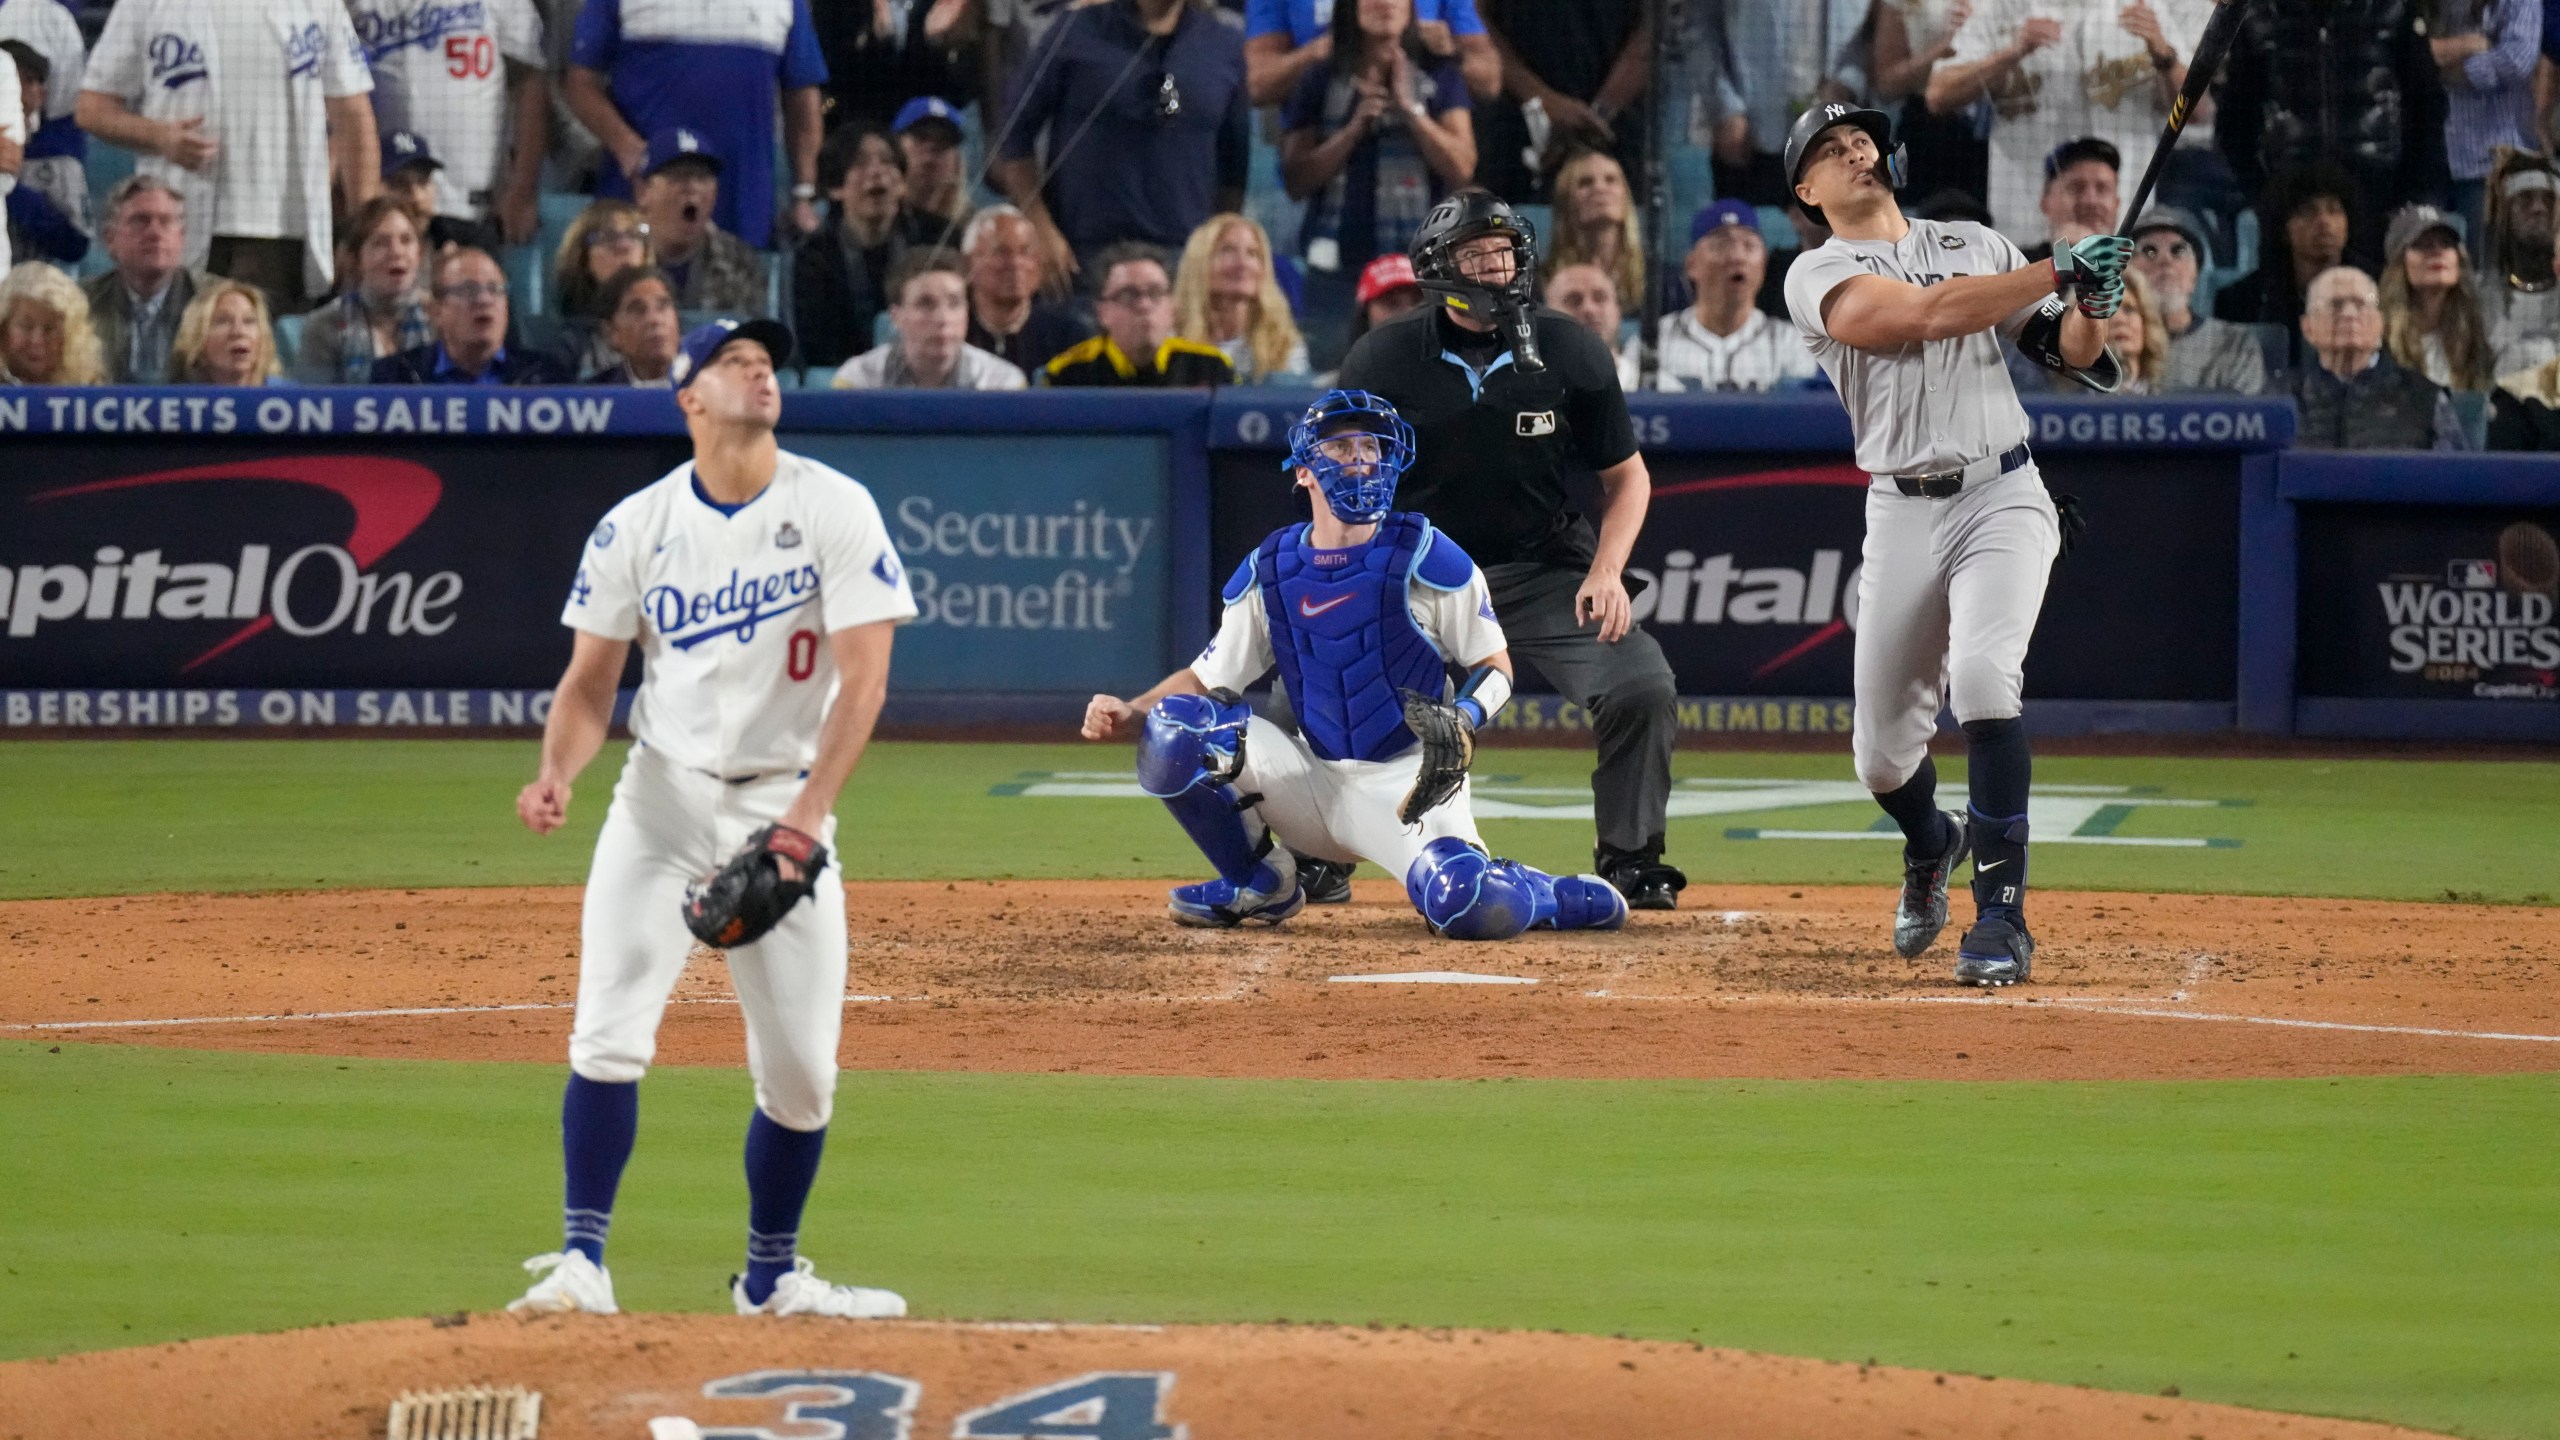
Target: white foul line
(352,1015)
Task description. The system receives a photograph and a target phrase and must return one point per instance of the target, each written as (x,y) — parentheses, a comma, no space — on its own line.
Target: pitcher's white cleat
(576,1284)
(801,1292)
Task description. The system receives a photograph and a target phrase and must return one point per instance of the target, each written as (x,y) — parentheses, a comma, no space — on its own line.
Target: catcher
(763,592)
(1362,609)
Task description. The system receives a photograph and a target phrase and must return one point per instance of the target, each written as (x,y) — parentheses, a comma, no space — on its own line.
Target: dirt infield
(1089,977)
(604,1378)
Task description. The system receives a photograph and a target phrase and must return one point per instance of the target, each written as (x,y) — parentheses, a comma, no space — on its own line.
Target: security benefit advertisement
(153,565)
(2430,602)
(1749,568)
(1038,563)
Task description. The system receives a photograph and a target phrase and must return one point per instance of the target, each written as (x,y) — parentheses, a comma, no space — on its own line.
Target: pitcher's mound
(609,1377)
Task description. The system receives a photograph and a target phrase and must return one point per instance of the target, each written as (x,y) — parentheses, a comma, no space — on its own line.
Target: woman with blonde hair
(2431,320)
(226,337)
(45,336)
(1595,221)
(1226,294)
(2140,337)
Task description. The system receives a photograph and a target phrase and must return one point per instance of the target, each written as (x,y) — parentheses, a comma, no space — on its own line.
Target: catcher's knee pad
(1465,894)
(1192,748)
(1190,739)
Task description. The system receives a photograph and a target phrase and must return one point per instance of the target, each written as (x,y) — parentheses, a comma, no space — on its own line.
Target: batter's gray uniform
(1949,589)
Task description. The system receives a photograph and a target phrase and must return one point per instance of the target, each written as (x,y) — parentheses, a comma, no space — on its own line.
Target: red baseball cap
(1391,271)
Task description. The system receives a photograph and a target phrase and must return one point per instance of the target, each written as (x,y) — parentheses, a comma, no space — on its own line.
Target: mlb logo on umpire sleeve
(1533,423)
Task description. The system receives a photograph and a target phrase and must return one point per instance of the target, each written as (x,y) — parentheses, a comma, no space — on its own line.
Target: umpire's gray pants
(1627,688)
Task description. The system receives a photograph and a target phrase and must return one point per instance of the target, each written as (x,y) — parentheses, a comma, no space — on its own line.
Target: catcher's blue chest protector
(1344,636)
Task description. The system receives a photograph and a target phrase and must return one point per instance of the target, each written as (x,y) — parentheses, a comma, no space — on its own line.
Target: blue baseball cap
(924,109)
(1715,217)
(708,340)
(678,143)
(404,148)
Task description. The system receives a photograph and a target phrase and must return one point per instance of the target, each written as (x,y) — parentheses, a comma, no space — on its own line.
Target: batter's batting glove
(2098,302)
(2091,263)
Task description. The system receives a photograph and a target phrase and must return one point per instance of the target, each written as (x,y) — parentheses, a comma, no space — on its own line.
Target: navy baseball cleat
(1923,911)
(1327,882)
(1995,951)
(1222,904)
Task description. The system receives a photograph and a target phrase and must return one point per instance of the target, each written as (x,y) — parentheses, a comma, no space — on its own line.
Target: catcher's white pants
(1947,601)
(1344,809)
(669,825)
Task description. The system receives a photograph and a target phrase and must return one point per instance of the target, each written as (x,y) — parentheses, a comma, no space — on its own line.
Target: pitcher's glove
(1448,747)
(735,905)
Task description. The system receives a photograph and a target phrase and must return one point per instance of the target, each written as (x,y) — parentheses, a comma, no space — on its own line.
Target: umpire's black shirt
(1494,445)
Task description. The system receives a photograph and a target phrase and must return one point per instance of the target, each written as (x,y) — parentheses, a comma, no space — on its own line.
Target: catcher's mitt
(1448,747)
(739,902)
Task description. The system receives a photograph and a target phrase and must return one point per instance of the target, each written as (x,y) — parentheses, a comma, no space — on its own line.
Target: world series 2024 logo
(2486,623)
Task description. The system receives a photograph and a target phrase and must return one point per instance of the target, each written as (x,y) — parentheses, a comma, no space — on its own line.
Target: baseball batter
(1363,609)
(762,590)
(1902,315)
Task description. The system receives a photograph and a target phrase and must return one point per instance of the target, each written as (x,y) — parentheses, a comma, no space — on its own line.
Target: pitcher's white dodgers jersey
(732,610)
(1926,407)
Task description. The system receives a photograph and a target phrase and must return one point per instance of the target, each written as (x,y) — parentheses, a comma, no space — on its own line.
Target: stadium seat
(288,339)
(2275,346)
(2471,407)
(526,277)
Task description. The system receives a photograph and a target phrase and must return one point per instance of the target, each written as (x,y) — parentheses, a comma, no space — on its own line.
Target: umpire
(1503,397)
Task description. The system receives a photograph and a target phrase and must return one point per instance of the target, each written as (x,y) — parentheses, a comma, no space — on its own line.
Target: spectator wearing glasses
(2353,395)
(928,131)
(136,306)
(1284,39)
(379,315)
(45,337)
(2204,353)
(1007,317)
(248,108)
(840,275)
(1147,125)
(470,317)
(607,238)
(1226,295)
(721,70)
(930,311)
(642,326)
(1137,346)
(1372,139)
(227,338)
(1723,340)
(2430,306)
(679,194)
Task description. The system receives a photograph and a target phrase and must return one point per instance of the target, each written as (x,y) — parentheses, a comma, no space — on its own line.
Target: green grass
(198,815)
(2377,1248)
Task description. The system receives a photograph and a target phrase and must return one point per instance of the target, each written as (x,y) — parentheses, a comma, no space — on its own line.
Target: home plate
(1432,977)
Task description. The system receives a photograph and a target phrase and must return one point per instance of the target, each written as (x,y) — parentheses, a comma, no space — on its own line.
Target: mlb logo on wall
(2471,574)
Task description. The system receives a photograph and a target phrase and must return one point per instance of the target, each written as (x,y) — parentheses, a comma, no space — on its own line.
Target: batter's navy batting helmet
(1809,127)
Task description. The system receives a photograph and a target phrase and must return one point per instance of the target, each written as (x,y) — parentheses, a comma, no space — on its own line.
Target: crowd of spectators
(992,194)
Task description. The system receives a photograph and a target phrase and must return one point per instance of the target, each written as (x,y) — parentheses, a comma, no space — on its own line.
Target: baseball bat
(2211,48)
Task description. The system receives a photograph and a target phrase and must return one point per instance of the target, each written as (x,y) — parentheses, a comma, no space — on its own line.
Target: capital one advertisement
(1749,571)
(259,566)
(2430,603)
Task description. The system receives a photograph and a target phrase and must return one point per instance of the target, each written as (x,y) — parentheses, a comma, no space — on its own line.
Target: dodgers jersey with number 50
(1930,406)
(732,609)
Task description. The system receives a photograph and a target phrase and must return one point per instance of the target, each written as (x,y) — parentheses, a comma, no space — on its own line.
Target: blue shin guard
(1192,749)
(1465,894)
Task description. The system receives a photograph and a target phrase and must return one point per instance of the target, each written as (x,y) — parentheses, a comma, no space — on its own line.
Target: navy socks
(597,1123)
(1914,807)
(1999,765)
(782,1164)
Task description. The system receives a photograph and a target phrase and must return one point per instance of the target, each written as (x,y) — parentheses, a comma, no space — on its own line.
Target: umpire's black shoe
(1995,951)
(1327,882)
(1648,885)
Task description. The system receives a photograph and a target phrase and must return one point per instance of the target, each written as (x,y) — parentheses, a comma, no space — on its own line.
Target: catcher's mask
(1357,447)
(1465,216)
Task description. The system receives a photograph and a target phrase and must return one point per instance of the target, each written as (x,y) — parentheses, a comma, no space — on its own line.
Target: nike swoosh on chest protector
(1312,610)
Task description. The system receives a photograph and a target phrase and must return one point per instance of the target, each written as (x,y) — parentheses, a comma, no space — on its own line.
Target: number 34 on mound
(867,1405)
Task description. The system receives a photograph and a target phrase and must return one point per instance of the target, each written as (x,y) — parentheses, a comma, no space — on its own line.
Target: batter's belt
(1952,482)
